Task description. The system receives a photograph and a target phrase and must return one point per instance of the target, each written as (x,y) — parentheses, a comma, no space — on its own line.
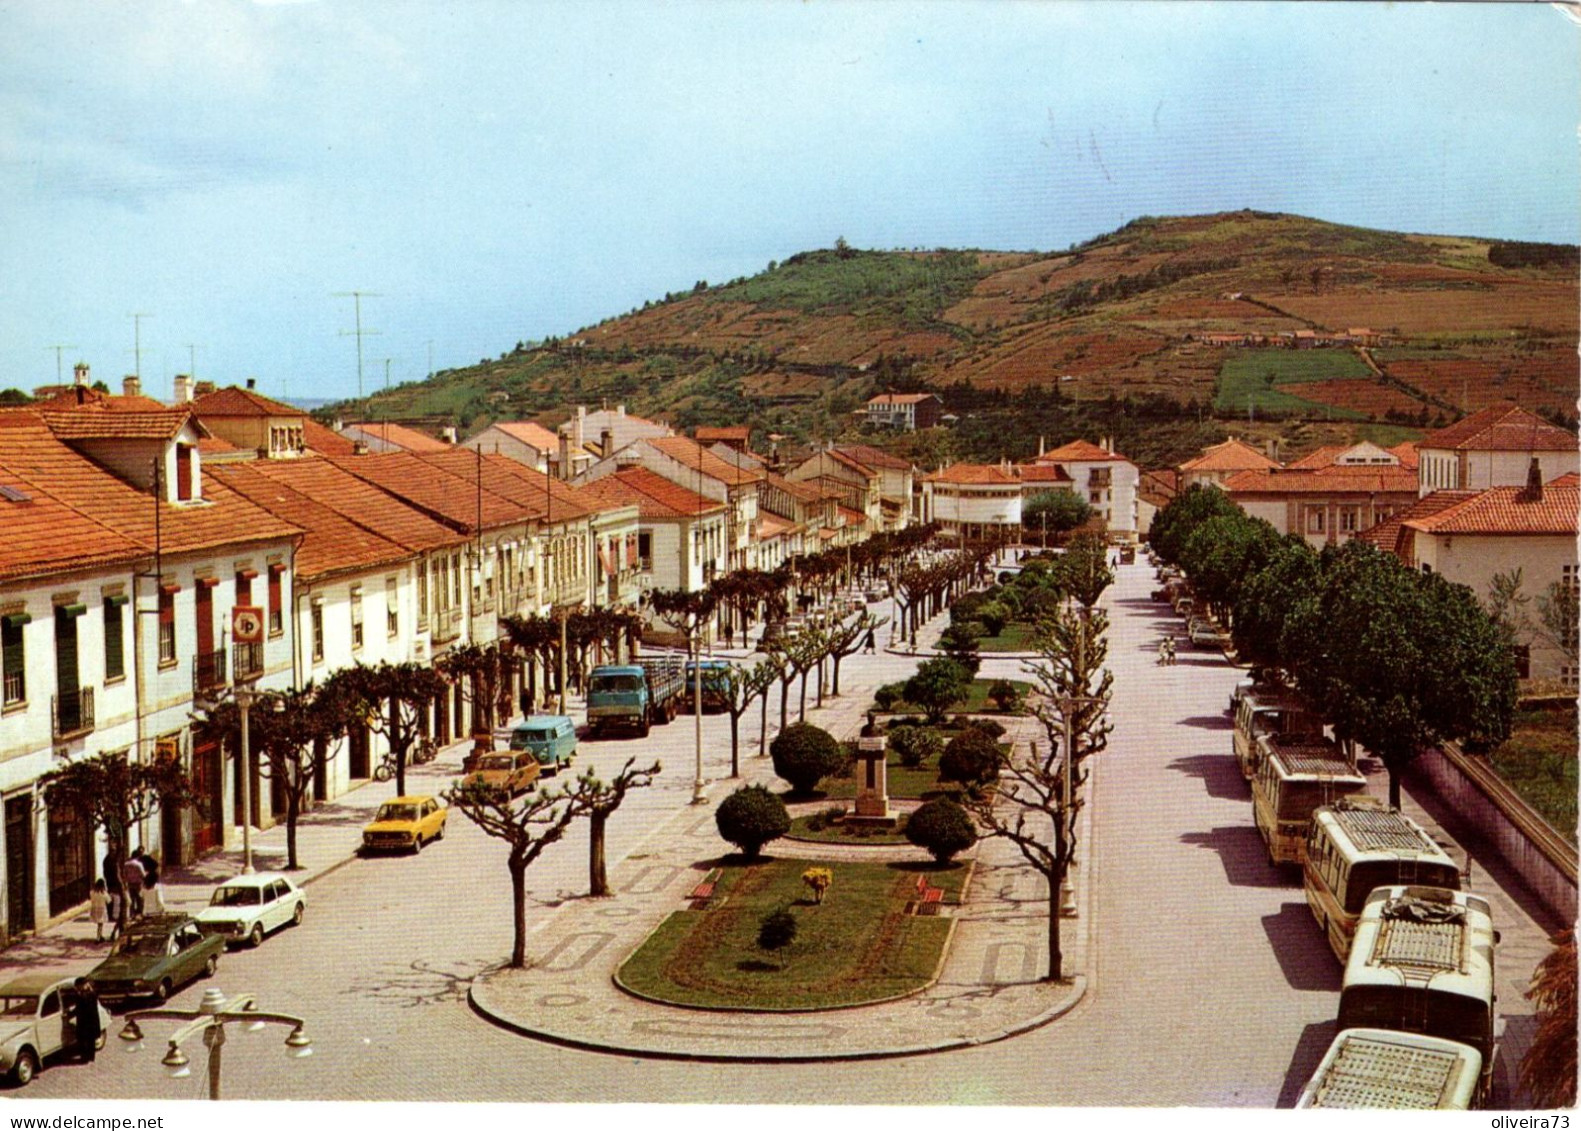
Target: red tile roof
(691,454)
(400,436)
(44,535)
(797,489)
(1407,454)
(92,422)
(324,441)
(1507,510)
(1231,455)
(448,498)
(1041,473)
(536,494)
(656,497)
(979,473)
(80,396)
(773,526)
(902,398)
(1321,457)
(1334,479)
(530,433)
(360,501)
(874,457)
(331,542)
(1568,479)
(232,401)
(1079,451)
(1386,535)
(1501,428)
(706,435)
(32,453)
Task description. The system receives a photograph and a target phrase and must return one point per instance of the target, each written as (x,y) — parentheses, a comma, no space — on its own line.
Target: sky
(488,173)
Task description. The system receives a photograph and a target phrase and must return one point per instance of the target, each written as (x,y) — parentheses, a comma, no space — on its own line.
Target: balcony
(447,625)
(72,712)
(249,662)
(208,671)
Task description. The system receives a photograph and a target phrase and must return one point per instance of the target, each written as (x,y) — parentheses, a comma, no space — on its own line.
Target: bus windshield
(1454,1017)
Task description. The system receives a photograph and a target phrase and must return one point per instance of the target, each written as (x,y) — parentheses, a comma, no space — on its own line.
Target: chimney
(606,443)
(203,388)
(252,384)
(448,434)
(1040,447)
(359,447)
(183,389)
(1533,491)
(565,454)
(1271,450)
(579,427)
(79,373)
(130,386)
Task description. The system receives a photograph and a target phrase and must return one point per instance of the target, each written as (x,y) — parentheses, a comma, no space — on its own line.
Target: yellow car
(405,823)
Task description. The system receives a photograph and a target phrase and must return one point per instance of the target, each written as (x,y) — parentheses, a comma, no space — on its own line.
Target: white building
(1493,448)
(1106,479)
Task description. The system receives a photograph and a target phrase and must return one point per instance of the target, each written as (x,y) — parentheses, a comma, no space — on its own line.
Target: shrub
(1005,695)
(914,746)
(941,827)
(804,755)
(971,758)
(905,721)
(938,683)
(751,817)
(959,643)
(888,695)
(994,616)
(993,728)
(777,930)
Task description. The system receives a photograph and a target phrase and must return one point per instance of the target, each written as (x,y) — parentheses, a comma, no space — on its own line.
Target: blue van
(550,738)
(716,683)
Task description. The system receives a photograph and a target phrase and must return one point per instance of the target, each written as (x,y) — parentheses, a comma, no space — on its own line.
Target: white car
(35,1023)
(249,907)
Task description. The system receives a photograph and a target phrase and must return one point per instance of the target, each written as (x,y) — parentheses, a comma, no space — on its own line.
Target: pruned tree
(741,685)
(392,700)
(846,637)
(600,799)
(528,825)
(1083,570)
(1040,796)
(115,793)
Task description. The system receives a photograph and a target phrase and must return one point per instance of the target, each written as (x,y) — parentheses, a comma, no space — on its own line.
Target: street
(1209,983)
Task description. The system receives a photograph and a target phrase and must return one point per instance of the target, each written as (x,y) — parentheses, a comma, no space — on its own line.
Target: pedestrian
(112,881)
(730,636)
(85,1025)
(870,643)
(99,908)
(132,880)
(153,897)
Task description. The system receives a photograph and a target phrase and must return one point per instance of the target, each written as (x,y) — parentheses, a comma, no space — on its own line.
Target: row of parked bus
(1417,1019)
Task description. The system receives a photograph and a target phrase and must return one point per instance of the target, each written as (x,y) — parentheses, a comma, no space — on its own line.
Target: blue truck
(637,695)
(715,680)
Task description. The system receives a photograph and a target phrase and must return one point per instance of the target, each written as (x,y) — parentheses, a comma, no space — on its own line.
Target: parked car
(509,771)
(157,955)
(1205,634)
(551,739)
(404,823)
(249,907)
(35,1024)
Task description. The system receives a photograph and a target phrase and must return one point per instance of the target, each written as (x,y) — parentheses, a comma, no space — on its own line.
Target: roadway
(1209,983)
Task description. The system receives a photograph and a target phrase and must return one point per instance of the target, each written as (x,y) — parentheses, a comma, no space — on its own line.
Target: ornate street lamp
(209,1018)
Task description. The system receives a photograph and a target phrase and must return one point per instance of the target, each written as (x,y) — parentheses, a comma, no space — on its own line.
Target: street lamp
(246,695)
(209,1018)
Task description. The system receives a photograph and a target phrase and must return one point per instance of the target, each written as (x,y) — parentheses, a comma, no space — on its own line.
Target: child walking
(99,908)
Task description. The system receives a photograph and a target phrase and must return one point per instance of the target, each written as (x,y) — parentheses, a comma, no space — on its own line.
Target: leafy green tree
(1184,513)
(971,759)
(1054,512)
(1221,554)
(1470,690)
(959,643)
(937,686)
(914,745)
(942,828)
(804,755)
(1266,601)
(751,817)
(114,793)
(777,930)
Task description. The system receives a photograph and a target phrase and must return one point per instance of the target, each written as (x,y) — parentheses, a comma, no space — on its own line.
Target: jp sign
(247,624)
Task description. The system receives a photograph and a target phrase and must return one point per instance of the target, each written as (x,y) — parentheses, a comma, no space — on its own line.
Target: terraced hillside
(1131,326)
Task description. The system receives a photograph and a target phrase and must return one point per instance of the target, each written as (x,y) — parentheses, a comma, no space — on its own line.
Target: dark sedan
(155,956)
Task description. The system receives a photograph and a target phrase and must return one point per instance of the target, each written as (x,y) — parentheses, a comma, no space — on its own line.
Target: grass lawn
(975,702)
(1016,637)
(858,946)
(1264,378)
(1539,762)
(801,829)
(904,783)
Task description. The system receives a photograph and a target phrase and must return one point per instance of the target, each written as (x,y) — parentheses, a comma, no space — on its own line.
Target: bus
(1422,962)
(1380,1068)
(1260,711)
(1356,845)
(1296,777)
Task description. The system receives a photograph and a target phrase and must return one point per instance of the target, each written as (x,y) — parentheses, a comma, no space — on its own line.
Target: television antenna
(359,332)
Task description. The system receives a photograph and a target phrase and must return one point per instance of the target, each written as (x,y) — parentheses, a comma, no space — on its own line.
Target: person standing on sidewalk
(869,644)
(85,1020)
(132,880)
(99,908)
(153,898)
(112,883)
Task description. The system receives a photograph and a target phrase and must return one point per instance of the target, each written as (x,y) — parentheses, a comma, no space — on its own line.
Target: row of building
(133,529)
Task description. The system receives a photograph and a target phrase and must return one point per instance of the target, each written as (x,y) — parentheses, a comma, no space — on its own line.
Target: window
(167,624)
(356,617)
(276,607)
(1314,520)
(422,593)
(1349,519)
(114,638)
(244,586)
(316,614)
(1570,577)
(1521,654)
(184,469)
(15,655)
(392,622)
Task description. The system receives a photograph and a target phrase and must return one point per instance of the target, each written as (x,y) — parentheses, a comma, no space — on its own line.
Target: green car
(155,956)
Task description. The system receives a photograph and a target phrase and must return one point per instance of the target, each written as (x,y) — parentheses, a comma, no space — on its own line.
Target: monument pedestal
(872,785)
